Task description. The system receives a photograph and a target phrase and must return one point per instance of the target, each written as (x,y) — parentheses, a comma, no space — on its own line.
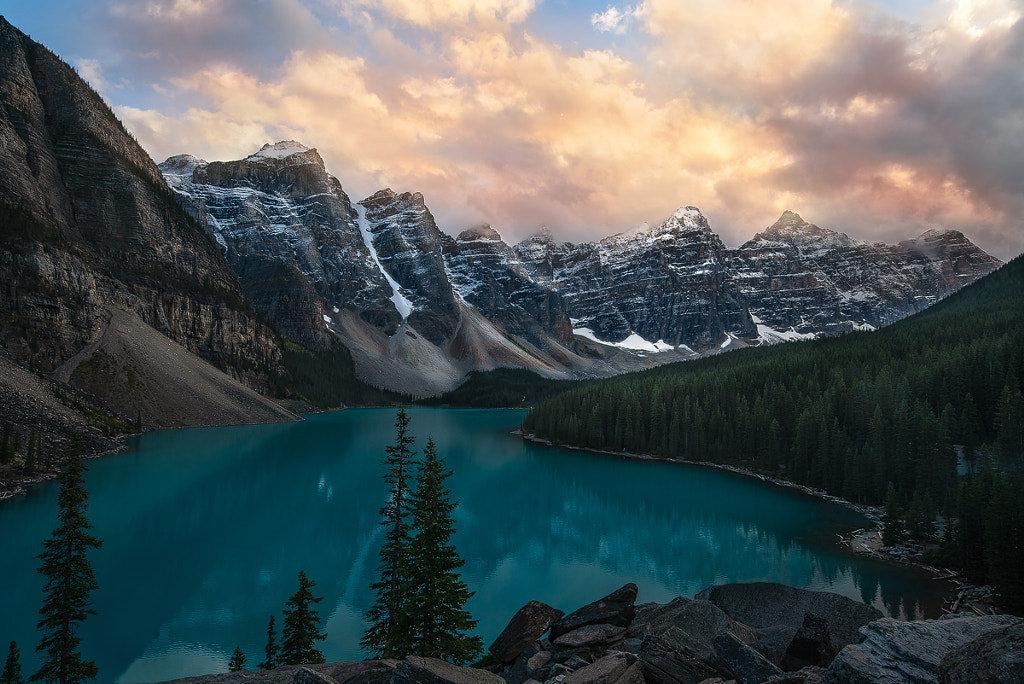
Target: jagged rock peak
(181,165)
(482,232)
(289,151)
(791,227)
(684,219)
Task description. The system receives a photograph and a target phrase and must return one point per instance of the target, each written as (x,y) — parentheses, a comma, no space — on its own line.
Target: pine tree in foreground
(69,579)
(300,629)
(433,616)
(382,638)
(237,662)
(270,650)
(12,667)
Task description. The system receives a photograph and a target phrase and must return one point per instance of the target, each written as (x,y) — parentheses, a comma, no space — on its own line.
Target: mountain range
(419,308)
(169,295)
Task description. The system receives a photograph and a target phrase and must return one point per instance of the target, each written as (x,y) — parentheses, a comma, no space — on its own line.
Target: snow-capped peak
(792,228)
(181,165)
(684,219)
(279,150)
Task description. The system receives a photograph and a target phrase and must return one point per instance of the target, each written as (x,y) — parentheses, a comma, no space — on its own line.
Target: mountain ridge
(644,296)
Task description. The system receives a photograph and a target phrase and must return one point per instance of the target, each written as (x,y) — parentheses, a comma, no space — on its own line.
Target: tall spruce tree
(69,579)
(433,614)
(270,650)
(300,629)
(382,638)
(12,666)
(237,662)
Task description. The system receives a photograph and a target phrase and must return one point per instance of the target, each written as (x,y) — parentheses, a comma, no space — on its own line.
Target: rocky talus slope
(93,243)
(743,633)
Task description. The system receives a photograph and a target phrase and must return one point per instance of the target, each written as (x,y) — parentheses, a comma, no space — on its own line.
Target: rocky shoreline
(736,633)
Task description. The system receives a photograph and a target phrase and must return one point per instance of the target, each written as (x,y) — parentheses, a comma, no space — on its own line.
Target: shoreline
(963,596)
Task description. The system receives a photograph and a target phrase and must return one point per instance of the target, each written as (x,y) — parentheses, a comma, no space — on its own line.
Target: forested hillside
(852,415)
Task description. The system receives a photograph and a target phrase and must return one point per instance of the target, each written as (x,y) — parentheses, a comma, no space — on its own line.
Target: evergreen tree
(69,579)
(270,650)
(237,662)
(893,531)
(12,667)
(299,631)
(382,638)
(6,448)
(432,615)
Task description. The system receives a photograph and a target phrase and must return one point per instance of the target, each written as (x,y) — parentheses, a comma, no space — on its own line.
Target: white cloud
(614,20)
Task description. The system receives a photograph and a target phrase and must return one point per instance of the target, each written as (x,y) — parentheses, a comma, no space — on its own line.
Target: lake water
(205,530)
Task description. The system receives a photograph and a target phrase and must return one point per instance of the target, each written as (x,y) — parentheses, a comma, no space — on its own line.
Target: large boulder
(699,621)
(590,635)
(994,657)
(746,665)
(617,608)
(607,670)
(894,652)
(304,675)
(763,604)
(420,670)
(525,627)
(669,658)
(811,645)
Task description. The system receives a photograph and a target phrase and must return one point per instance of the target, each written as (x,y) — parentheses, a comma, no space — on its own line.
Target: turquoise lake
(205,530)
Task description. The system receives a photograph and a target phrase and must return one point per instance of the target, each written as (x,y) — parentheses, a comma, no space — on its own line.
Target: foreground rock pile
(742,633)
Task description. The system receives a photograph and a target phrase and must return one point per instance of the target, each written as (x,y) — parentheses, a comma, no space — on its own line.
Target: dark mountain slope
(93,242)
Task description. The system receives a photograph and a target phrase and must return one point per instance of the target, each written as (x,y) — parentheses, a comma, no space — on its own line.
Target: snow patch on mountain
(633,342)
(401,302)
(768,335)
(279,150)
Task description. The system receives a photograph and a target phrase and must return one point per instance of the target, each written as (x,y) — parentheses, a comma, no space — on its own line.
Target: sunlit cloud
(614,20)
(857,119)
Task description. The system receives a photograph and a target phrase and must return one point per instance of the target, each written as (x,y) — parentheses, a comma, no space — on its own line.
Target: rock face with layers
(894,652)
(798,277)
(667,283)
(91,229)
(289,230)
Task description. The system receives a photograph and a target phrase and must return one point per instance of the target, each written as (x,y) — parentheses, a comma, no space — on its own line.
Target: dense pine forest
(929,411)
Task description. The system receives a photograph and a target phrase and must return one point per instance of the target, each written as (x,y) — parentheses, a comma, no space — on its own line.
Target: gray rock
(807,675)
(538,660)
(607,670)
(590,635)
(745,664)
(419,670)
(811,645)
(617,608)
(634,674)
(763,604)
(699,621)
(994,657)
(667,659)
(896,652)
(306,676)
(526,626)
(575,662)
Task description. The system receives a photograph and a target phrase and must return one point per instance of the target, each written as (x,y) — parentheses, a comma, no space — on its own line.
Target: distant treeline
(852,415)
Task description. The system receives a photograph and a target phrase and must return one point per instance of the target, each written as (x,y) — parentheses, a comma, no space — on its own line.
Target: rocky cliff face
(490,276)
(89,227)
(800,278)
(416,308)
(289,230)
(667,284)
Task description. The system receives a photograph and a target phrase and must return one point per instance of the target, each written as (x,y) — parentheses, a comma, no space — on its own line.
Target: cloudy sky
(879,119)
